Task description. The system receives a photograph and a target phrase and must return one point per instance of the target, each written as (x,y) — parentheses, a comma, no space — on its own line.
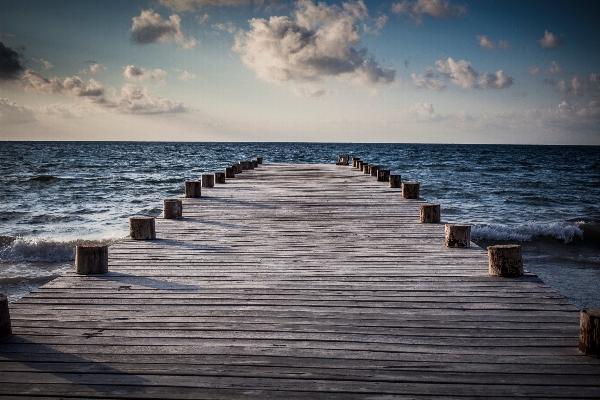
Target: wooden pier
(296,281)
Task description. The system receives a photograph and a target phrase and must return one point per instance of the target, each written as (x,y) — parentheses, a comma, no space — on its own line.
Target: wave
(41,249)
(565,231)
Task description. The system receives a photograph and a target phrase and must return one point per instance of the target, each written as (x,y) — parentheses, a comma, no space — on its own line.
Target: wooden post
(91,259)
(193,189)
(373,170)
(430,213)
(355,161)
(258,160)
(172,208)
(457,235)
(249,165)
(342,159)
(359,165)
(208,180)
(395,181)
(365,168)
(243,165)
(254,164)
(589,332)
(410,190)
(505,260)
(237,167)
(383,175)
(5,328)
(229,172)
(142,228)
(219,177)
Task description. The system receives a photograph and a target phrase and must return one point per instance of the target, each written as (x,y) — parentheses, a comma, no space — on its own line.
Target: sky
(424,71)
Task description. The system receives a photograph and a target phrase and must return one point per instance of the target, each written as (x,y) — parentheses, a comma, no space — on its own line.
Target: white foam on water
(43,249)
(565,231)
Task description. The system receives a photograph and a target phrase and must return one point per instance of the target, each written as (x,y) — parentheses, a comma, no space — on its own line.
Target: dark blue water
(54,194)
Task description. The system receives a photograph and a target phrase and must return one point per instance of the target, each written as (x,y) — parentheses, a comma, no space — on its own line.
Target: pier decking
(296,281)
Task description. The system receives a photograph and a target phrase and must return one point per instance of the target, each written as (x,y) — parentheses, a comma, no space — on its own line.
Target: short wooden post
(457,235)
(430,213)
(238,168)
(5,328)
(258,160)
(395,181)
(373,170)
(355,161)
(359,165)
(193,189)
(219,177)
(505,260)
(342,159)
(243,165)
(410,190)
(172,208)
(229,172)
(142,228)
(91,259)
(208,180)
(383,175)
(249,165)
(589,332)
(366,169)
(254,164)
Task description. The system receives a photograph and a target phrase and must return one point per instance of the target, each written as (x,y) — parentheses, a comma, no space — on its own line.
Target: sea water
(54,195)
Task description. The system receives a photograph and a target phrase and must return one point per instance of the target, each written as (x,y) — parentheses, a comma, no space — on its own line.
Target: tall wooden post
(172,208)
(208,180)
(91,259)
(5,327)
(457,235)
(193,189)
(219,177)
(410,190)
(589,332)
(430,213)
(505,260)
(395,181)
(142,228)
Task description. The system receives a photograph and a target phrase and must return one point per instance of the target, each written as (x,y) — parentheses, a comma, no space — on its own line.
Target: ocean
(54,195)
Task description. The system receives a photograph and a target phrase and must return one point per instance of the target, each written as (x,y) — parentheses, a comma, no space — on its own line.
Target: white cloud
(72,86)
(533,70)
(12,113)
(191,5)
(424,112)
(137,100)
(434,8)
(186,76)
(68,110)
(312,91)
(462,74)
(228,27)
(551,41)
(554,68)
(46,64)
(571,88)
(503,44)
(485,42)
(319,42)
(149,27)
(140,74)
(428,81)
(94,68)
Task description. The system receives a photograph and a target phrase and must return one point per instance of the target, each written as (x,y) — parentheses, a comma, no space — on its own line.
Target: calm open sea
(54,194)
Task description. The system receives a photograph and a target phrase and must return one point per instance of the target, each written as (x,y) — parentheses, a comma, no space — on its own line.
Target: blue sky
(439,71)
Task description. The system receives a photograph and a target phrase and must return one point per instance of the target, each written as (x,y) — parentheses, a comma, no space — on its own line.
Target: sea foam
(565,231)
(41,249)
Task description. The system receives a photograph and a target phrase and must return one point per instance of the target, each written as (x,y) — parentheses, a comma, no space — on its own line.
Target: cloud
(186,76)
(94,68)
(434,8)
(72,86)
(428,81)
(140,74)
(131,100)
(551,41)
(424,112)
(12,113)
(45,64)
(533,70)
(149,27)
(10,64)
(319,42)
(554,68)
(572,88)
(503,44)
(462,74)
(228,27)
(68,110)
(191,5)
(485,42)
(312,91)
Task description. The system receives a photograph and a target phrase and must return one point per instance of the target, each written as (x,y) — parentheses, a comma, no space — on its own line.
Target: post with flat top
(430,213)
(373,170)
(342,159)
(219,177)
(410,190)
(457,235)
(193,189)
(589,332)
(395,181)
(359,165)
(172,208)
(5,327)
(91,259)
(383,175)
(237,167)
(258,160)
(142,228)
(208,180)
(229,172)
(365,168)
(505,260)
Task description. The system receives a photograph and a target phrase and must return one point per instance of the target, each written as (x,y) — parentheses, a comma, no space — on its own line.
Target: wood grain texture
(296,281)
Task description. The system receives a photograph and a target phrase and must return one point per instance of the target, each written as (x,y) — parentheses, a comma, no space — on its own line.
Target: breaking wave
(41,249)
(565,231)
